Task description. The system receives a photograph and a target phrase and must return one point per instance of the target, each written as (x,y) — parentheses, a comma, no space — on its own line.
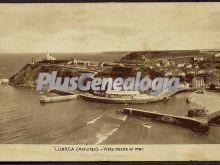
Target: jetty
(61,92)
(111,97)
(48,99)
(214,118)
(200,124)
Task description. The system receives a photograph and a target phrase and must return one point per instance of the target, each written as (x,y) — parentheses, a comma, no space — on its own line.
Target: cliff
(28,75)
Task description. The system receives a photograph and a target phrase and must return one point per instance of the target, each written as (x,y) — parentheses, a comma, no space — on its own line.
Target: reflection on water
(24,120)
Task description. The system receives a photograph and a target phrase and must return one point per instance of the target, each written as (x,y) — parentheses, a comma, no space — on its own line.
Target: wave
(123,118)
(103,137)
(94,120)
(146,125)
(116,125)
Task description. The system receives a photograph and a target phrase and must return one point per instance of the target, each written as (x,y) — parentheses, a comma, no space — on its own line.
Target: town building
(181,65)
(198,82)
(121,94)
(191,71)
(198,58)
(165,63)
(188,65)
(201,71)
(213,80)
(73,61)
(181,73)
(157,64)
(217,55)
(183,85)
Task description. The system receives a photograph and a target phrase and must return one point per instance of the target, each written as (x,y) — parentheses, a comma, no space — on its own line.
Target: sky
(109,27)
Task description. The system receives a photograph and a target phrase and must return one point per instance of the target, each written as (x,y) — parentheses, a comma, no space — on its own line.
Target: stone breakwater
(200,125)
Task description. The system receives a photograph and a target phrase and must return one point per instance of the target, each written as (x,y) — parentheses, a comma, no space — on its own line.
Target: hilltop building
(217,55)
(198,58)
(49,57)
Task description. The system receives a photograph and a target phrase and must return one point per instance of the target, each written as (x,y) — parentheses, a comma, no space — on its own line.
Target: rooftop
(122,92)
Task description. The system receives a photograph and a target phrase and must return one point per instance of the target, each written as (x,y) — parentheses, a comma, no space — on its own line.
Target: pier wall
(192,123)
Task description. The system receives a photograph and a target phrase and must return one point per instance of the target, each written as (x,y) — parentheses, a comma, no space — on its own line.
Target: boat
(123,97)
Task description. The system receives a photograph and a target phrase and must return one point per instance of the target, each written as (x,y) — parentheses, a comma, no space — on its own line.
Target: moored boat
(123,97)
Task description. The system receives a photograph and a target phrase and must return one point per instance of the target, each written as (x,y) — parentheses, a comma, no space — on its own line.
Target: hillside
(140,56)
(28,75)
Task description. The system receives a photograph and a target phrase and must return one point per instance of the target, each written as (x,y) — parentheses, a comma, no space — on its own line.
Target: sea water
(24,120)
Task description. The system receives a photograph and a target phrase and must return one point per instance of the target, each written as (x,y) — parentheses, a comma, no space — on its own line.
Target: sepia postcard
(109,81)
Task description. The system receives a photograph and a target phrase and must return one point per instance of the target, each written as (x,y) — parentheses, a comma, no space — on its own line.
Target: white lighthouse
(49,57)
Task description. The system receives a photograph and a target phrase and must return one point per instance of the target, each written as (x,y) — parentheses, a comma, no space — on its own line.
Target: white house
(188,65)
(183,85)
(181,65)
(198,82)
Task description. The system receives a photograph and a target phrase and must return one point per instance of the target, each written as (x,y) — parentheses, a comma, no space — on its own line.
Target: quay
(46,99)
(197,124)
(121,99)
(132,100)
(108,100)
(61,92)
